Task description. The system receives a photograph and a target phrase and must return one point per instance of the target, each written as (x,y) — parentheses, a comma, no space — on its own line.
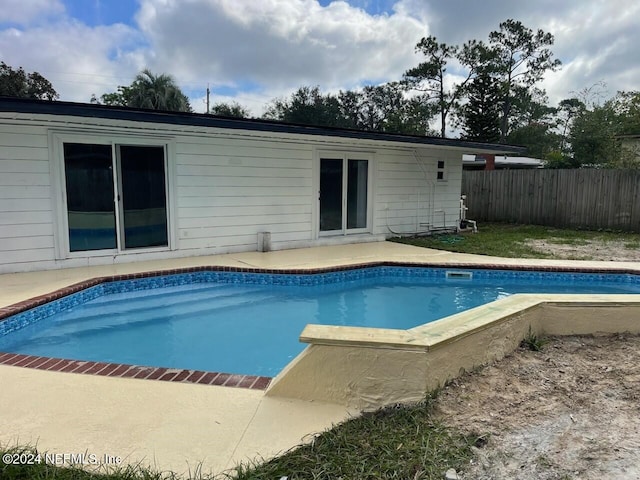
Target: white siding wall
(409,198)
(26,217)
(226,188)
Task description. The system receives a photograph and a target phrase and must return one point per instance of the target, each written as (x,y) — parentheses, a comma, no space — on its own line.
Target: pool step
(86,326)
(144,299)
(165,306)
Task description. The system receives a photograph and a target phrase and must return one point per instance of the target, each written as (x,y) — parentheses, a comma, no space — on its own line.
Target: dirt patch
(570,411)
(611,250)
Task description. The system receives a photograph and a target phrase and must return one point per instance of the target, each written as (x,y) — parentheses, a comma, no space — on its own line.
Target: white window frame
(345,156)
(59,191)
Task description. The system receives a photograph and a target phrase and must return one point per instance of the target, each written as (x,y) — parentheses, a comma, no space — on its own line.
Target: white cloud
(23,12)
(597,42)
(277,43)
(77,59)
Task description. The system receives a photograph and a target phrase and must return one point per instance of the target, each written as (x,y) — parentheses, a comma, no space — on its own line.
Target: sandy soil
(570,411)
(591,250)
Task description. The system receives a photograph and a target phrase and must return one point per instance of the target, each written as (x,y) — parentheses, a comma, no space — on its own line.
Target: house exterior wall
(409,198)
(631,148)
(224,187)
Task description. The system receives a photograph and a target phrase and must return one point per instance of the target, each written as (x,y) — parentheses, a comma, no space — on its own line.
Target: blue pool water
(250,323)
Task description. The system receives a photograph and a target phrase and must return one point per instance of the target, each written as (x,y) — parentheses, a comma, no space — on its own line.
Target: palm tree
(157,92)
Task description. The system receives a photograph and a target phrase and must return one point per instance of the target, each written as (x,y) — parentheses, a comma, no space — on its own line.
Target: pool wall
(368,368)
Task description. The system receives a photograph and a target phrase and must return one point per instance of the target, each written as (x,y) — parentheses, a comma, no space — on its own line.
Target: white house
(84,184)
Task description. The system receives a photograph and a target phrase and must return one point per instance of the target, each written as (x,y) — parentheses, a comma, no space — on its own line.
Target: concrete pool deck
(176,425)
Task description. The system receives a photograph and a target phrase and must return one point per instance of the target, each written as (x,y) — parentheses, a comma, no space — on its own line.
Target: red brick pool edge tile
(104,369)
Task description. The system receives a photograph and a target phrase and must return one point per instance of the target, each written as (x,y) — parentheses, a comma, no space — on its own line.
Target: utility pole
(207,99)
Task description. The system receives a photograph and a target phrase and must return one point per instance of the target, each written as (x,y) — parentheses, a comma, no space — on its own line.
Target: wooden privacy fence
(594,199)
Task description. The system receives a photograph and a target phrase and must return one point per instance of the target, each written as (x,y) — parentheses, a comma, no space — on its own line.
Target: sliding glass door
(115,196)
(91,213)
(331,173)
(344,195)
(357,191)
(144,202)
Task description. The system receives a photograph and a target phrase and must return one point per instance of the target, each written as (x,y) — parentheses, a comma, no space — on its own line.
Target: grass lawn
(510,240)
(390,443)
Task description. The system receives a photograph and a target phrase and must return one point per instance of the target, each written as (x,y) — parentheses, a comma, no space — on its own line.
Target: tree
(155,92)
(479,117)
(430,76)
(556,159)
(413,118)
(232,109)
(384,108)
(380,108)
(18,83)
(120,98)
(595,132)
(307,106)
(373,106)
(627,107)
(568,109)
(592,136)
(518,59)
(533,123)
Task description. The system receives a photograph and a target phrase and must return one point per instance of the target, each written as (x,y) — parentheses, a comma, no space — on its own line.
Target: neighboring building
(499,162)
(631,147)
(85,184)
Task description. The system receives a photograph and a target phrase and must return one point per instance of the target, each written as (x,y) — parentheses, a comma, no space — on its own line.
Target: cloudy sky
(251,51)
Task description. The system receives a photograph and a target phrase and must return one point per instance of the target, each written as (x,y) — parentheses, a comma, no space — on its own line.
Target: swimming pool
(248,323)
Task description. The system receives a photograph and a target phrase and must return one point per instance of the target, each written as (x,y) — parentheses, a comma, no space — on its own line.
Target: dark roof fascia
(20,105)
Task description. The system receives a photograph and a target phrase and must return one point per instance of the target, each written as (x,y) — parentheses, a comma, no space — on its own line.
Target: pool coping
(219,378)
(108,369)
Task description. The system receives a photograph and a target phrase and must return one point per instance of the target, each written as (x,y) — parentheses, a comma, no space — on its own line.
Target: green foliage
(232,109)
(120,98)
(382,108)
(480,116)
(593,133)
(520,58)
(556,159)
(534,123)
(372,107)
(391,443)
(18,83)
(307,106)
(568,109)
(538,138)
(155,92)
(533,342)
(627,107)
(592,136)
(498,79)
(429,76)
